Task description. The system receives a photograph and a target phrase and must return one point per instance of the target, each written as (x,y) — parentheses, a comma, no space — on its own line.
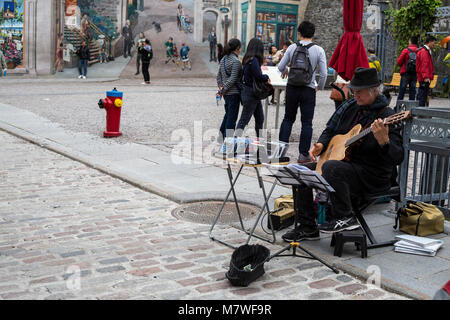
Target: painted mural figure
(127,39)
(212,39)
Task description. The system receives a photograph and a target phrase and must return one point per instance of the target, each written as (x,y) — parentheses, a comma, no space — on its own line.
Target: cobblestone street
(71,232)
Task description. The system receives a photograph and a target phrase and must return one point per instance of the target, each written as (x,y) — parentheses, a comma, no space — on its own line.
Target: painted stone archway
(200,8)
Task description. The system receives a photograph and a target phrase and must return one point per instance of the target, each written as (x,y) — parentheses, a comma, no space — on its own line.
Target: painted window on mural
(266,32)
(11,32)
(275,28)
(288,18)
(266,16)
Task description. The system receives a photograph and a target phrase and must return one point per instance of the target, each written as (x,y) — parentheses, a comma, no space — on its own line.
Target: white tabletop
(275,76)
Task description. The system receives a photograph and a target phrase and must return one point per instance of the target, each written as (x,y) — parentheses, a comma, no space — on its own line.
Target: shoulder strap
(224,66)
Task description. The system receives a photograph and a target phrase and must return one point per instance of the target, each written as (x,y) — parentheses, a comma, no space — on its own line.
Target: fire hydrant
(113,106)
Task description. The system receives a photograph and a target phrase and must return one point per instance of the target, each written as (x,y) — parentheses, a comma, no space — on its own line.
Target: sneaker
(303,159)
(301,233)
(349,223)
(84,77)
(80,77)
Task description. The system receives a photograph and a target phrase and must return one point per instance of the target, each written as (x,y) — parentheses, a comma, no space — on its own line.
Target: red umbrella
(350,52)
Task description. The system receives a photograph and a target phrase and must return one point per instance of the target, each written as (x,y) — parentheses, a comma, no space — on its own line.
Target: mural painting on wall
(77,9)
(11,32)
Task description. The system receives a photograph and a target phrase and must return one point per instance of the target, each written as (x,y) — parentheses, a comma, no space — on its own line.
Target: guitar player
(371,162)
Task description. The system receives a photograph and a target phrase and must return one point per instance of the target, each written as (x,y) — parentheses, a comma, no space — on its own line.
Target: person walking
(169,50)
(425,70)
(184,55)
(59,63)
(140,42)
(212,39)
(407,62)
(301,87)
(84,55)
(180,13)
(252,62)
(230,86)
(146,53)
(127,39)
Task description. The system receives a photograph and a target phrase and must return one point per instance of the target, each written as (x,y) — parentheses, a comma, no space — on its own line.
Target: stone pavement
(68,231)
(154,170)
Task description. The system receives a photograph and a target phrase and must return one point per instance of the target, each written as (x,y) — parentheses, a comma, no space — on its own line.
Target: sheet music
(295,174)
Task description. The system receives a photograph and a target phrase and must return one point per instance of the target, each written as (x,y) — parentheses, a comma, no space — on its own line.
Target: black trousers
(343,178)
(145,66)
(212,51)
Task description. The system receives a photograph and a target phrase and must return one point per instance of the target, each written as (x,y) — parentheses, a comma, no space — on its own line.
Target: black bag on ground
(247,264)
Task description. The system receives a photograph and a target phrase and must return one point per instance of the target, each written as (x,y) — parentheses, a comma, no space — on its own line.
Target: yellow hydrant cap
(118,103)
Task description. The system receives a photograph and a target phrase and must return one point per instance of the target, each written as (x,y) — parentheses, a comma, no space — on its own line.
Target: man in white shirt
(302,95)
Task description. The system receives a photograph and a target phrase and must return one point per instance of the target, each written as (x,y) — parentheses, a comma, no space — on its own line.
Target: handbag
(336,95)
(420,219)
(262,90)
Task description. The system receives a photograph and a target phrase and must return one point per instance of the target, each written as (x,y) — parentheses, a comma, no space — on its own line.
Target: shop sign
(278,7)
(224,9)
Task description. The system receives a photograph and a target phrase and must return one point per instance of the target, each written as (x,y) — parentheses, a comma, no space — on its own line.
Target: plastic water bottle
(4,72)
(218,97)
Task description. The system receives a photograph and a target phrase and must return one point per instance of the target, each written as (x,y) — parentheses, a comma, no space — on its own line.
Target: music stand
(294,176)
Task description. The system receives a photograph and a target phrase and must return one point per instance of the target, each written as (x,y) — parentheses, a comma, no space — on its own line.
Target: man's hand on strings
(380,131)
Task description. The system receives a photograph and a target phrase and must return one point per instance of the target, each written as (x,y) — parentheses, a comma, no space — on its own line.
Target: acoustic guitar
(339,146)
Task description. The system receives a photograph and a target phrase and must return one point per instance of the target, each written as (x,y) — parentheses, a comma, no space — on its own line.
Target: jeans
(232,103)
(145,72)
(127,47)
(212,52)
(82,64)
(138,62)
(251,106)
(344,180)
(424,88)
(306,98)
(404,81)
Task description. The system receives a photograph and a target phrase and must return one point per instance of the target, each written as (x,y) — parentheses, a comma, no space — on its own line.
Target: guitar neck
(358,136)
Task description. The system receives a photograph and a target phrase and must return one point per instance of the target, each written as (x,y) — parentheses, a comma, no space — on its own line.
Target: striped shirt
(230,73)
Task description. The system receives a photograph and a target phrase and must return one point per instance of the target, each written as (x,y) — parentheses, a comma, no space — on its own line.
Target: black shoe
(346,223)
(301,233)
(136,73)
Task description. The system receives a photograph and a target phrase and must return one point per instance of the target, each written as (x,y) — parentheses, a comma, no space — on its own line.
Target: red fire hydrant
(113,106)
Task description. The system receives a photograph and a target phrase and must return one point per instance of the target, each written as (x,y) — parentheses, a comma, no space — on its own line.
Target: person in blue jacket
(252,106)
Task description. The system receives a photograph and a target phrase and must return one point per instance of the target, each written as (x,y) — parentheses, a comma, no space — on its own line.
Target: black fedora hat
(364,78)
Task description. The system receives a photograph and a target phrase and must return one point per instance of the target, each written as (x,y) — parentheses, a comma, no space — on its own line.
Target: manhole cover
(205,212)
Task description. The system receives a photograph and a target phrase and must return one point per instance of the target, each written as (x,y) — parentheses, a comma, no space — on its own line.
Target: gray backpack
(301,71)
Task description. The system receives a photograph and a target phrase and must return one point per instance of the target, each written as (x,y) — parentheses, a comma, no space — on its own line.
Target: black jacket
(374,164)
(84,53)
(146,56)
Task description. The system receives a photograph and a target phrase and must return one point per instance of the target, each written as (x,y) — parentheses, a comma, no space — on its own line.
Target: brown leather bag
(336,95)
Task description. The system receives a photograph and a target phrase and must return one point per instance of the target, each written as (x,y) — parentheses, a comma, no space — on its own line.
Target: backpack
(411,63)
(301,71)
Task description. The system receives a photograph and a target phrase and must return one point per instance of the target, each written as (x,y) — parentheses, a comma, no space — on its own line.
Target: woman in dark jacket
(84,56)
(252,62)
(146,52)
(229,83)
